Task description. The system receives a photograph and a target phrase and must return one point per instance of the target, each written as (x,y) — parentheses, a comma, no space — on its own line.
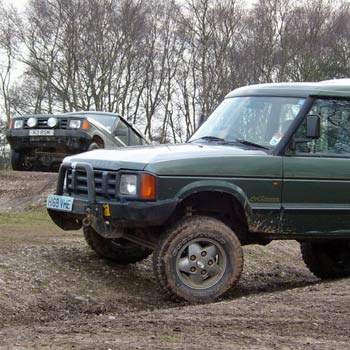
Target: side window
(134,138)
(335,129)
(121,132)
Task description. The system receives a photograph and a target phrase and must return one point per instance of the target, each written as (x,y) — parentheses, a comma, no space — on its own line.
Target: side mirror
(313,126)
(313,130)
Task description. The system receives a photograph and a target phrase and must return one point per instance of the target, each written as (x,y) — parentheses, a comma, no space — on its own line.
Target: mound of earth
(21,190)
(57,294)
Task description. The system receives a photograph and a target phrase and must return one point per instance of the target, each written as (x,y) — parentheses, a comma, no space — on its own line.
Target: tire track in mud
(55,293)
(21,190)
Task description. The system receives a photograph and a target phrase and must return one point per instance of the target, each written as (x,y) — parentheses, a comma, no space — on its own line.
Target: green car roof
(328,88)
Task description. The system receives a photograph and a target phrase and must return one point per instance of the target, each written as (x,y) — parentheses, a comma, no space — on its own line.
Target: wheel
(23,162)
(121,251)
(17,161)
(327,259)
(198,259)
(93,146)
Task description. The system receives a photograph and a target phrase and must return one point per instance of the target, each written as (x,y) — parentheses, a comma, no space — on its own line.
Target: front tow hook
(89,219)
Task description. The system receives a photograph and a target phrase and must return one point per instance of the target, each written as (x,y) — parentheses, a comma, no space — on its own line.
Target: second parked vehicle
(40,142)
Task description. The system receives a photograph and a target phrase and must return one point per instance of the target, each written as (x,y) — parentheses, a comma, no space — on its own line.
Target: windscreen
(106,120)
(258,119)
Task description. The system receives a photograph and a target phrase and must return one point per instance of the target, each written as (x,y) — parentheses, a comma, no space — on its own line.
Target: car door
(316,184)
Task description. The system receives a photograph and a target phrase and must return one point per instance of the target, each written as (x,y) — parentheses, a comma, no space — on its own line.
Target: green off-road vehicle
(271,162)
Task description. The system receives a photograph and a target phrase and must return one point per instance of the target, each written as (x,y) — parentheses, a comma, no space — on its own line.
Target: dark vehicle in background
(40,142)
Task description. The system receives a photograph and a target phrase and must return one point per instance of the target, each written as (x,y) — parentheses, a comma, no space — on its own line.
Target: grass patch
(32,218)
(30,226)
(172,339)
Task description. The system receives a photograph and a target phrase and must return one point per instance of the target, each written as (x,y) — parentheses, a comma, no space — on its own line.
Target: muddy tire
(17,161)
(121,251)
(93,146)
(198,260)
(327,259)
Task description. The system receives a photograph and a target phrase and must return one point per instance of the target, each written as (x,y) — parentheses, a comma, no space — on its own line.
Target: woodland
(162,64)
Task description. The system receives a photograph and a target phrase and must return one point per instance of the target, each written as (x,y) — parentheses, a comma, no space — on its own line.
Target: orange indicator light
(148,186)
(85,125)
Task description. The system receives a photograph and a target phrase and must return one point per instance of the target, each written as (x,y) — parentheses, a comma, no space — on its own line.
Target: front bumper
(122,213)
(72,140)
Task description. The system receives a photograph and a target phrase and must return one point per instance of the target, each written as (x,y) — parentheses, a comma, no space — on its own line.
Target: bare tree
(211,31)
(310,34)
(264,39)
(339,40)
(160,64)
(9,45)
(165,65)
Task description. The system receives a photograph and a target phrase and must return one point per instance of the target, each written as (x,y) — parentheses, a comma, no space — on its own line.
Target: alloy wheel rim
(201,263)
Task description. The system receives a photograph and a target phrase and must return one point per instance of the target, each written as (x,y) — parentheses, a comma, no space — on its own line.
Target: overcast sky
(18,3)
(21,3)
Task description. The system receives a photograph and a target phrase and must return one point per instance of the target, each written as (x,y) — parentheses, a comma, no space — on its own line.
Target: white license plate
(41,132)
(63,203)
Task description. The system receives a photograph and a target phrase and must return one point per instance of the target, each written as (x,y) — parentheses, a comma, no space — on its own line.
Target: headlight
(52,122)
(32,122)
(74,124)
(18,124)
(128,185)
(143,186)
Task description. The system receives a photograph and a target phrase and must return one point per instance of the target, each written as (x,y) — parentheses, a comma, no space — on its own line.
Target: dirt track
(56,294)
(24,190)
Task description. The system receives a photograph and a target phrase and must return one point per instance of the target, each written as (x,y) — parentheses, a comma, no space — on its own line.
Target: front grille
(42,124)
(105,183)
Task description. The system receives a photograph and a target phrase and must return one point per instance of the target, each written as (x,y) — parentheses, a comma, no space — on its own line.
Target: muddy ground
(56,294)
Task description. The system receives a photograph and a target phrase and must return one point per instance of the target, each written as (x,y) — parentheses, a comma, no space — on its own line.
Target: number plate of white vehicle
(41,132)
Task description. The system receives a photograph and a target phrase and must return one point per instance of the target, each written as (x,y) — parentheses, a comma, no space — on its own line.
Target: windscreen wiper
(248,143)
(209,138)
(225,142)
